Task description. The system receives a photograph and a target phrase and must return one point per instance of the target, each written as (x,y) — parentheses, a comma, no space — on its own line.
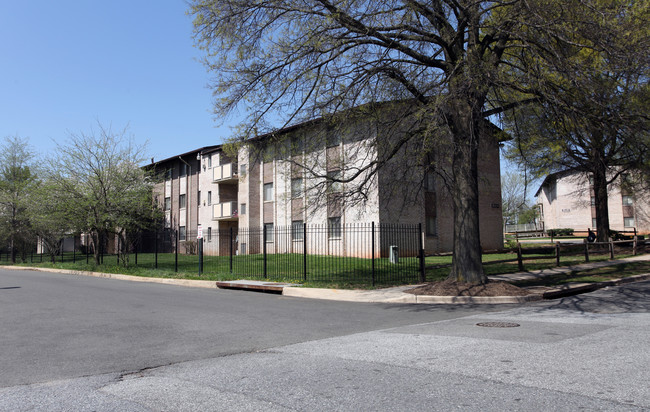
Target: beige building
(566,200)
(316,173)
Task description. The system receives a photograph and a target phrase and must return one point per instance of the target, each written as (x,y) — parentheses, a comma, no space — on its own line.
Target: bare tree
(102,189)
(289,61)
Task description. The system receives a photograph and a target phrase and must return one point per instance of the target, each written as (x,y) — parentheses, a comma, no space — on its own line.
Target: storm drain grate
(498,324)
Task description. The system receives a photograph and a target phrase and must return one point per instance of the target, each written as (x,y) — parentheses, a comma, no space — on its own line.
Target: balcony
(225,173)
(224,211)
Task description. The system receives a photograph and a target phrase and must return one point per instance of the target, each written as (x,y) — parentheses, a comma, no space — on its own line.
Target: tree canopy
(592,113)
(17,181)
(459,62)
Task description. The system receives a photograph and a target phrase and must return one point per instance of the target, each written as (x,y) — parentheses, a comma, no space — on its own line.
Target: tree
(51,217)
(515,206)
(593,104)
(289,61)
(101,188)
(17,181)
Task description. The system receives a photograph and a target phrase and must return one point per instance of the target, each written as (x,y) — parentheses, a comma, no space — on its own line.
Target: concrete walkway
(398,295)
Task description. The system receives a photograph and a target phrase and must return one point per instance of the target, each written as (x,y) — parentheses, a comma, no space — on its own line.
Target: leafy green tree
(51,218)
(592,112)
(17,181)
(101,188)
(454,61)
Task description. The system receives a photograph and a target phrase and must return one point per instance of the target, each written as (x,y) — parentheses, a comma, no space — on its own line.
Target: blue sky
(67,64)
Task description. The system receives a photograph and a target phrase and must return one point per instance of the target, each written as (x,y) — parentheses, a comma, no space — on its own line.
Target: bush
(560,232)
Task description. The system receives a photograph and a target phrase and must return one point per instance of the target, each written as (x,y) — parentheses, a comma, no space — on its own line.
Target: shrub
(560,232)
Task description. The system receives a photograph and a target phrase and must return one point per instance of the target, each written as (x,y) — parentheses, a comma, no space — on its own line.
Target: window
(242,209)
(209,234)
(268,192)
(168,203)
(209,161)
(297,230)
(591,180)
(593,222)
(628,201)
(198,198)
(182,170)
(242,170)
(209,197)
(333,185)
(181,233)
(628,222)
(334,227)
(168,174)
(593,201)
(333,139)
(297,145)
(268,227)
(431,226)
(296,187)
(430,182)
(182,201)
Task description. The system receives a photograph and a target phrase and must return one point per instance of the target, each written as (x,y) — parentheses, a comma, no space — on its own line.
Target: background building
(566,200)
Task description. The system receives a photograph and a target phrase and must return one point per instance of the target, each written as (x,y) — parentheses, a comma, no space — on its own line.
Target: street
(79,343)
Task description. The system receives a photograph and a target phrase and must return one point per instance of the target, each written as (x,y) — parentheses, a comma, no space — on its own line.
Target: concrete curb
(577,288)
(392,295)
(206,284)
(397,295)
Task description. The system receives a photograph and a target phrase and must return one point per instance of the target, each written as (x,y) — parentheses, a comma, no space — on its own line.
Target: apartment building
(318,173)
(566,200)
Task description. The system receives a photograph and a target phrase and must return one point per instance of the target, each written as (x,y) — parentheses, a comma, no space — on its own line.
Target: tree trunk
(600,195)
(465,127)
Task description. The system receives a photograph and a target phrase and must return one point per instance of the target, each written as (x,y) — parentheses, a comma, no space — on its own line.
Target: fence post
(634,243)
(155,249)
(586,251)
(117,254)
(304,251)
(200,256)
(373,254)
(520,260)
(611,248)
(230,248)
(264,247)
(178,240)
(557,254)
(423,275)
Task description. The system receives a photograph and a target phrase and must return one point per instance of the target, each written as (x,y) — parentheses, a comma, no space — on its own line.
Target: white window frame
(268,192)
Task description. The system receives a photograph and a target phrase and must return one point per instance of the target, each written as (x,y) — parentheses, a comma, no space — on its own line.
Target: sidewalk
(397,294)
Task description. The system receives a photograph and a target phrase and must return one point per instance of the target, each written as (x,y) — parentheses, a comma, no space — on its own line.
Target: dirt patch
(451,287)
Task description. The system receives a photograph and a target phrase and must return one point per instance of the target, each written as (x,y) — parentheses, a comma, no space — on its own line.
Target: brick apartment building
(280,180)
(566,200)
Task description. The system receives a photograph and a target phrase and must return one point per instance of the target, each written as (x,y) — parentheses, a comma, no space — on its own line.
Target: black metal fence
(359,253)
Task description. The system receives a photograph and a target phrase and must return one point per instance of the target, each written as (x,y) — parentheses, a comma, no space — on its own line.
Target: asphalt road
(57,326)
(74,343)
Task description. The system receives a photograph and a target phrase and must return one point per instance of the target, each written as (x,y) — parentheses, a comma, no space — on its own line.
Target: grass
(322,271)
(592,275)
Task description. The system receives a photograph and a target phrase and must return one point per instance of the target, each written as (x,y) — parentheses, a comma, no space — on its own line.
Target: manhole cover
(498,324)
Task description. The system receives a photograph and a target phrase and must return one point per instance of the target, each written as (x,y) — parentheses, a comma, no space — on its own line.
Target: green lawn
(330,271)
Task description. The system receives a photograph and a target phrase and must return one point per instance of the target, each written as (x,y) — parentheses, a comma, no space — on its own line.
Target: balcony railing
(224,173)
(224,211)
